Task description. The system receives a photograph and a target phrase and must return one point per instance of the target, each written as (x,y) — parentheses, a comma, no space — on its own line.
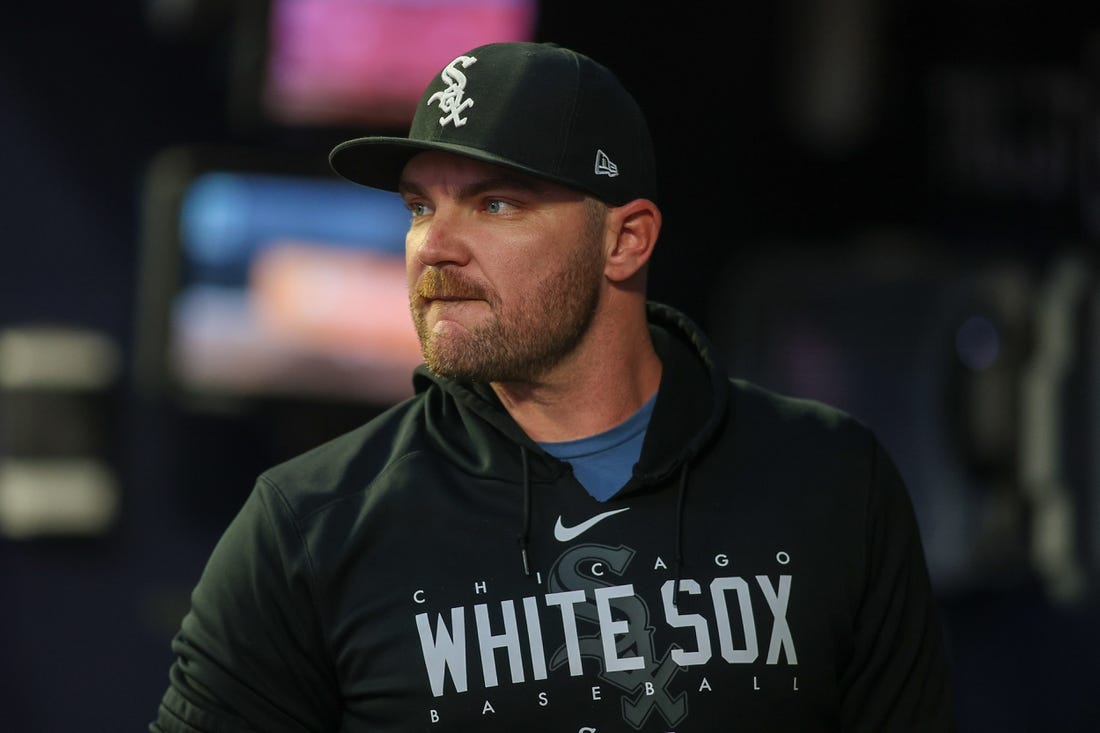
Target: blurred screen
(367,61)
(280,285)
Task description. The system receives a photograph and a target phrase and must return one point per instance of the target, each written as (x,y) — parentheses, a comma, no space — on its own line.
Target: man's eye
(417,209)
(495,206)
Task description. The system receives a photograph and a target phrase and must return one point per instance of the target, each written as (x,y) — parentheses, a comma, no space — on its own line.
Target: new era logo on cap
(533,107)
(604,166)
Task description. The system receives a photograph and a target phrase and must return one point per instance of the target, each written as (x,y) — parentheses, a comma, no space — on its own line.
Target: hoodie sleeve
(250,652)
(897,678)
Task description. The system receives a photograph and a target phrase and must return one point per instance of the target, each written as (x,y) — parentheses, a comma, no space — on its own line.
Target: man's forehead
(434,167)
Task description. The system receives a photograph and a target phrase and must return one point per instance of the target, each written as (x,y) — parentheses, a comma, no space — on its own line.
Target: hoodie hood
(692,400)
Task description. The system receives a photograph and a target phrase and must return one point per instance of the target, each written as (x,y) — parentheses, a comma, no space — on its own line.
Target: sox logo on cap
(451,99)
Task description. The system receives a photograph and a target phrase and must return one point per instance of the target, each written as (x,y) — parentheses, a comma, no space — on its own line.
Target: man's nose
(442,240)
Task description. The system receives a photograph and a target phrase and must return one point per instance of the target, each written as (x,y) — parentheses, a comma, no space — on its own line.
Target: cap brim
(378,161)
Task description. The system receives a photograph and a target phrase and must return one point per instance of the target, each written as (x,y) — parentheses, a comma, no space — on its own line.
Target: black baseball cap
(539,108)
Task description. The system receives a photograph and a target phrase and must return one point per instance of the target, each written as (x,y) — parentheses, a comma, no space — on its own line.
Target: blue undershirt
(602,463)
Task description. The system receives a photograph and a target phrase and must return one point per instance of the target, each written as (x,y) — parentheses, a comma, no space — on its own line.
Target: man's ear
(633,229)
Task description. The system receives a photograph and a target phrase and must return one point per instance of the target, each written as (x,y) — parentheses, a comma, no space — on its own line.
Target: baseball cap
(539,108)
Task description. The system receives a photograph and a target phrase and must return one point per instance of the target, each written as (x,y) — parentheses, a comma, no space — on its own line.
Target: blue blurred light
(228,217)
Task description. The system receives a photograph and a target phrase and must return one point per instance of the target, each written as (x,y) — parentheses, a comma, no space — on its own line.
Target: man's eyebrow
(405,187)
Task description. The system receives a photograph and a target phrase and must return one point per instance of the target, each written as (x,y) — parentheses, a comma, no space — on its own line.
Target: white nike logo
(564,534)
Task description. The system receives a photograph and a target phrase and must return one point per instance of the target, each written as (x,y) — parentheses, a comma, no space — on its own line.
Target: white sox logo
(590,621)
(451,99)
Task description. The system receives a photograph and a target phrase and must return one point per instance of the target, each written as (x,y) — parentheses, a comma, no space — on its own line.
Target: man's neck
(592,391)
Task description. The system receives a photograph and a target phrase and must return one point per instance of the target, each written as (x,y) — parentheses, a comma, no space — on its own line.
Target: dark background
(860,173)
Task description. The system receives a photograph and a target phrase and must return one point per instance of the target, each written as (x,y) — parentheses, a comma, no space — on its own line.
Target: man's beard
(535,335)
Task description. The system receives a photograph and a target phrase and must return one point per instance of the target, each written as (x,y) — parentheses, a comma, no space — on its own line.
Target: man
(580,522)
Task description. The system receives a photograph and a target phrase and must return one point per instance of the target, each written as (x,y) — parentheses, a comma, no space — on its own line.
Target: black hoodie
(435,570)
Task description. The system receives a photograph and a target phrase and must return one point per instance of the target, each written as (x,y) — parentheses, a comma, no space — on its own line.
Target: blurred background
(890,206)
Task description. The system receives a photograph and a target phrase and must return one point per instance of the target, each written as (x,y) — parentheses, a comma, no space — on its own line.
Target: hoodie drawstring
(680,532)
(526,531)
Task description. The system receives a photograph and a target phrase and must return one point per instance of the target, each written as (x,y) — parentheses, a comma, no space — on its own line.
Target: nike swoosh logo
(564,534)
